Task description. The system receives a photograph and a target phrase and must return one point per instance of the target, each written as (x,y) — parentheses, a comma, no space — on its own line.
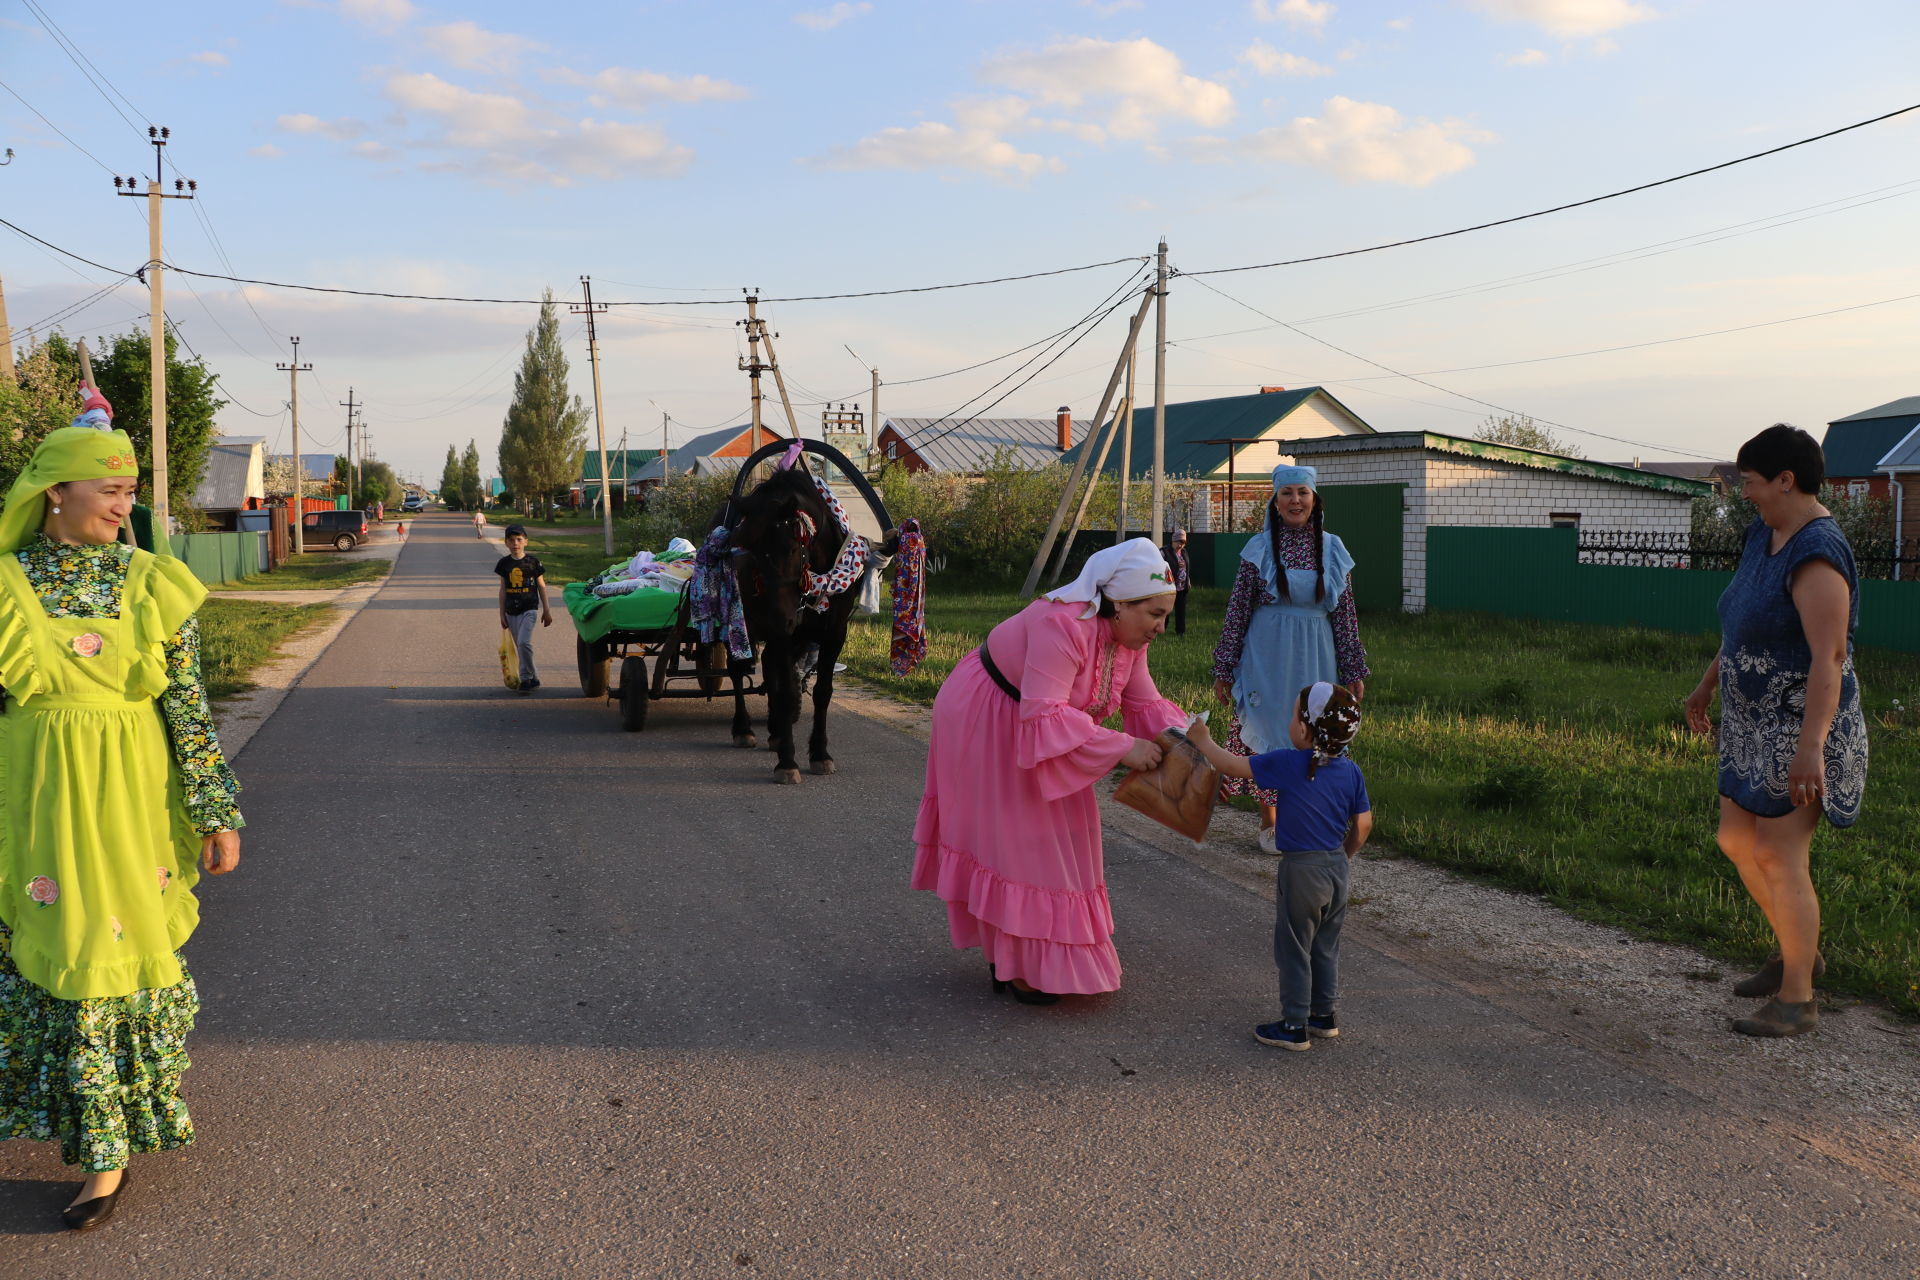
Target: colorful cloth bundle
(715,604)
(910,601)
(817,589)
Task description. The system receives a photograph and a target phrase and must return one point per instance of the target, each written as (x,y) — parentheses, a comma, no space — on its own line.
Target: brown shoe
(1766,980)
(1779,1018)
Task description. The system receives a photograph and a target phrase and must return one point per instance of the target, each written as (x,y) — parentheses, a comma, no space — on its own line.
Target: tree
(121,368)
(1523,432)
(451,492)
(377,484)
(471,496)
(544,436)
(277,475)
(40,399)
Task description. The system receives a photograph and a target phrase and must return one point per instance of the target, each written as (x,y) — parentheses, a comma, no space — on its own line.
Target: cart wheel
(593,667)
(633,694)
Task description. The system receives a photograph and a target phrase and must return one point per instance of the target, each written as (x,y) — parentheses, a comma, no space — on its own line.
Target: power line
(215,379)
(57,129)
(1559,208)
(1660,448)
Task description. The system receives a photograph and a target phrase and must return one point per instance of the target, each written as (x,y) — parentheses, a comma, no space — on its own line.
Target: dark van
(344,529)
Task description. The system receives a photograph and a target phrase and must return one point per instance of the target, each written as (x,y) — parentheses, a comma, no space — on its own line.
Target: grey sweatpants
(1309,909)
(522,625)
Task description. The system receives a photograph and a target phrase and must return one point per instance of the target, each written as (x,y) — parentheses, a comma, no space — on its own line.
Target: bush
(680,508)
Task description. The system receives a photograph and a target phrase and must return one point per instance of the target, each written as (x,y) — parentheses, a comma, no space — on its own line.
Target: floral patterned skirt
(102,1076)
(1244,786)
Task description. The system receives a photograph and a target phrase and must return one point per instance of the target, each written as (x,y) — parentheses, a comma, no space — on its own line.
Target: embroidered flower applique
(119,935)
(87,645)
(166,877)
(43,891)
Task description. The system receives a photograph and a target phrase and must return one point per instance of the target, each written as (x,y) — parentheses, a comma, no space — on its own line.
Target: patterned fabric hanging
(817,589)
(714,597)
(910,601)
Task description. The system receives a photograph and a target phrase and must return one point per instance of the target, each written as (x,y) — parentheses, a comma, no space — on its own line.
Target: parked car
(344,529)
(413,502)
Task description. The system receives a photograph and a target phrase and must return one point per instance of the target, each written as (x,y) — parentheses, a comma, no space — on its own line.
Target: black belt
(993,672)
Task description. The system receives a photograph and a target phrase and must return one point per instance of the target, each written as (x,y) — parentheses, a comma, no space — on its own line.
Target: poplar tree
(544,436)
(470,494)
(450,491)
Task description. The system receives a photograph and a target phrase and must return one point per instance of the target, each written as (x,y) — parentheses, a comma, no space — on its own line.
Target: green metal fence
(1536,573)
(216,558)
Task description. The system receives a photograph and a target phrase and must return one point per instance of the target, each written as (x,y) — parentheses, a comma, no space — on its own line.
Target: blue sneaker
(1283,1035)
(1324,1025)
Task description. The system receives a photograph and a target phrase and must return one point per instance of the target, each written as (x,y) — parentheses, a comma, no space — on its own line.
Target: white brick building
(1455,481)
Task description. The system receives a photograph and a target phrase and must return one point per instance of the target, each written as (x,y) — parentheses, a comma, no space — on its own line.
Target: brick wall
(1449,490)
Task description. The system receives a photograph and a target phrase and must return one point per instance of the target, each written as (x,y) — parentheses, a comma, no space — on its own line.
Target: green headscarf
(67,454)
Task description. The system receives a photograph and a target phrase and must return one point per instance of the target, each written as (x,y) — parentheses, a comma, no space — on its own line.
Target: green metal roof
(1512,454)
(634,459)
(1854,447)
(1193,422)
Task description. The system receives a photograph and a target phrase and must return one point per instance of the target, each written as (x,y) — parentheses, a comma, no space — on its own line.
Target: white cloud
(469,45)
(267,151)
(638,90)
(210,58)
(828,19)
(375,150)
(1400,24)
(343,130)
(972,142)
(1269,61)
(1368,142)
(1108,8)
(378,13)
(504,139)
(1142,81)
(1567,19)
(1526,58)
(1311,14)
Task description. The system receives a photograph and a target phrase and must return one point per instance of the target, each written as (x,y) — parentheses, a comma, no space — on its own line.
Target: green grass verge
(1551,758)
(569,559)
(314,571)
(239,636)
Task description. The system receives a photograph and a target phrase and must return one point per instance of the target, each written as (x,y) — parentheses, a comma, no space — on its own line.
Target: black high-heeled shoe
(89,1214)
(999,988)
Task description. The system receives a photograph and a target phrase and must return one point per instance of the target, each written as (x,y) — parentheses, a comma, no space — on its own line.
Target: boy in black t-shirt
(523,589)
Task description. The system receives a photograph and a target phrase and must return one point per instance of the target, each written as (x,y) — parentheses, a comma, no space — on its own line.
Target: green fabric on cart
(648,609)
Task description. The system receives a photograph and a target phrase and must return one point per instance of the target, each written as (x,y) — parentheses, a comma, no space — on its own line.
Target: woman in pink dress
(1009,829)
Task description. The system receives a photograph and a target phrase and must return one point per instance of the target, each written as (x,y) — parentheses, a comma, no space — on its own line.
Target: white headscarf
(1133,570)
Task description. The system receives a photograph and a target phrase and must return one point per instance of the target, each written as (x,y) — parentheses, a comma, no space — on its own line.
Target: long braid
(1317,520)
(1279,565)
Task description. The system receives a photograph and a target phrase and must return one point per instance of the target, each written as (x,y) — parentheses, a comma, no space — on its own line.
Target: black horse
(782,531)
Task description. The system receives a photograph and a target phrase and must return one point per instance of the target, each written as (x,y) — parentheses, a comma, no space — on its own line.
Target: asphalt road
(501,991)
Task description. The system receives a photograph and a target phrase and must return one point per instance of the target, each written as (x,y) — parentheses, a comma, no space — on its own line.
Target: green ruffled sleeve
(19,674)
(172,594)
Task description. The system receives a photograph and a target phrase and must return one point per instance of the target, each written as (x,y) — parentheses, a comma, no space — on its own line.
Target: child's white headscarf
(1133,570)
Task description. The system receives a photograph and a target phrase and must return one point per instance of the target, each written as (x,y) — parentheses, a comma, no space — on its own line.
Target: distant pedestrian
(479,523)
(1322,819)
(1176,556)
(1290,622)
(116,787)
(523,591)
(1009,828)
(1793,743)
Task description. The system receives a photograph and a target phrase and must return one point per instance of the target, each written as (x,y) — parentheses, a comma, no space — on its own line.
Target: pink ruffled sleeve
(1143,711)
(1062,746)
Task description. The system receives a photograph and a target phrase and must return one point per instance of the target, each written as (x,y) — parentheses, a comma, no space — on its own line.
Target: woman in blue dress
(1793,744)
(1290,623)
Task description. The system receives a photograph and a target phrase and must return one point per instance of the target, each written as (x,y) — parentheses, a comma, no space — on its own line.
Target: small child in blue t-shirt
(1322,820)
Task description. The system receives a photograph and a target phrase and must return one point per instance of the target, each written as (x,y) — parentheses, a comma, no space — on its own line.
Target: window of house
(1858,488)
(1564,519)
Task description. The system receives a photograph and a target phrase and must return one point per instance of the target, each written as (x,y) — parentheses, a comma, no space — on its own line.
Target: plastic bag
(509,659)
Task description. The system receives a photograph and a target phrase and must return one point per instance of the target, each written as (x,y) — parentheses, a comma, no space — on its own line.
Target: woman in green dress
(111,785)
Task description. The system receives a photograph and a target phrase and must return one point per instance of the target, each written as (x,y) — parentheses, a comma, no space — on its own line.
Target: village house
(1855,445)
(1389,488)
(1901,469)
(957,446)
(1230,443)
(234,481)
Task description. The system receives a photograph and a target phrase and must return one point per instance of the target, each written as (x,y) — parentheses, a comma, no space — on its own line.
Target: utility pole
(1126,449)
(293,372)
(353,467)
(750,363)
(1160,398)
(873,422)
(6,339)
(599,421)
(157,318)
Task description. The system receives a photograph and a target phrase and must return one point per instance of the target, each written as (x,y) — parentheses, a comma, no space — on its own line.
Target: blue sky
(679,151)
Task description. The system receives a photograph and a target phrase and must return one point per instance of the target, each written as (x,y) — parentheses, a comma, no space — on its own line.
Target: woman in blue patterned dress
(1793,744)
